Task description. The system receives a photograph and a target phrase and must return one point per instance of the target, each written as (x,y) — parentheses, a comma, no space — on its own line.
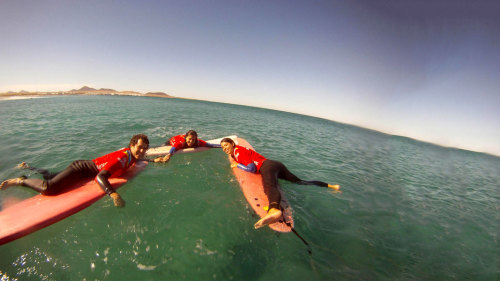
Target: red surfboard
(253,190)
(39,211)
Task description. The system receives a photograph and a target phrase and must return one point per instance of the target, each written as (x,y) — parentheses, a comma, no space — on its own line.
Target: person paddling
(251,161)
(101,168)
(189,140)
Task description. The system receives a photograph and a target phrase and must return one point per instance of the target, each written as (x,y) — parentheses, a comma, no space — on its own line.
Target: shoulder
(241,150)
(237,150)
(118,152)
(177,140)
(124,150)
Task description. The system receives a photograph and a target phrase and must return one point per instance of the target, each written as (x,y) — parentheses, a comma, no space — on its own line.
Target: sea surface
(408,211)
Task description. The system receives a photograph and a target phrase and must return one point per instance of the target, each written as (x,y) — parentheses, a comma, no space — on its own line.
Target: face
(191,141)
(227,147)
(139,149)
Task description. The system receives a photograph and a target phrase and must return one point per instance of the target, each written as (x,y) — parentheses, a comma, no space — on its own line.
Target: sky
(428,70)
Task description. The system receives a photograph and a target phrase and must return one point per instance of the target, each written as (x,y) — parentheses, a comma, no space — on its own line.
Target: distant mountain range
(87,91)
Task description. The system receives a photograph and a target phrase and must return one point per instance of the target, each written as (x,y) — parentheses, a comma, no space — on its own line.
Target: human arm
(247,168)
(172,150)
(103,180)
(163,159)
(207,144)
(242,159)
(213,145)
(250,167)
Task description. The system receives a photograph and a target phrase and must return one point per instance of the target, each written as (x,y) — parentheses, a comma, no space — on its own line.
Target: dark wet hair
(228,140)
(192,133)
(135,139)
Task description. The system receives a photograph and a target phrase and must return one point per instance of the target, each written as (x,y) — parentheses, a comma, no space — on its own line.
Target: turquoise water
(409,210)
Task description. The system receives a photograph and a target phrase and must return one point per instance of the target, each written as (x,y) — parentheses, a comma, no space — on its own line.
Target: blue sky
(423,69)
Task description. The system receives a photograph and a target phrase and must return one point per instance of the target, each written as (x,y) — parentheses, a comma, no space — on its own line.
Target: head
(227,145)
(138,145)
(191,138)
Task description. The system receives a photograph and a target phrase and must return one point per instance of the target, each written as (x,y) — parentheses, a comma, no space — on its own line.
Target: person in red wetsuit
(189,140)
(101,168)
(251,161)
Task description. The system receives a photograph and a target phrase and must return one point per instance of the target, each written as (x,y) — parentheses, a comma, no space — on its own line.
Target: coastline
(83,91)
(86,91)
(21,97)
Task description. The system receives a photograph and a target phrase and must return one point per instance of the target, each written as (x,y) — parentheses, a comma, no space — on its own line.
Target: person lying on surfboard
(101,168)
(251,161)
(189,140)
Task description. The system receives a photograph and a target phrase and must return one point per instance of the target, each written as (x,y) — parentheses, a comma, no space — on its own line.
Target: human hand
(163,159)
(166,158)
(117,199)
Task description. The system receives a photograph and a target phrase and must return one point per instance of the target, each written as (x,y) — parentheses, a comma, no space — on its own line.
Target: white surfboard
(163,150)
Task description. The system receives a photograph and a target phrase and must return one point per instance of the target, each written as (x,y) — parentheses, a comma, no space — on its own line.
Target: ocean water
(408,211)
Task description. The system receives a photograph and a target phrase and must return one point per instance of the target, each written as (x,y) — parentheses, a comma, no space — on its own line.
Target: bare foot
(23,165)
(11,182)
(272,216)
(335,187)
(117,199)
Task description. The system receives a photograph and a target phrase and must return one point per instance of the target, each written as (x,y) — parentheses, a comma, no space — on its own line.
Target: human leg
(12,182)
(45,173)
(77,170)
(36,184)
(285,174)
(269,172)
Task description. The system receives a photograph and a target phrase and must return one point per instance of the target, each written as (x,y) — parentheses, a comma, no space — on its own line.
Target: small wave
(21,98)
(146,267)
(5,277)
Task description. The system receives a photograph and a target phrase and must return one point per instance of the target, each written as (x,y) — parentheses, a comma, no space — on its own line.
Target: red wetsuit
(116,163)
(270,170)
(246,156)
(101,168)
(179,142)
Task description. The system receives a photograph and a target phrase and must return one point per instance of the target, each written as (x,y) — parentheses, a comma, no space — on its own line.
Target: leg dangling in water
(12,182)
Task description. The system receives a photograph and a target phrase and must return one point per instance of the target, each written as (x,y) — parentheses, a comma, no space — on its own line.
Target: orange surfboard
(253,190)
(32,214)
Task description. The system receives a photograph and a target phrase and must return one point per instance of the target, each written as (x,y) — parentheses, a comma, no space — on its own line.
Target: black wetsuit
(54,182)
(271,171)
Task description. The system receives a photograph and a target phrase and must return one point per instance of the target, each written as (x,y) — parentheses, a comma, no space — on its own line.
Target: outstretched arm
(172,150)
(165,158)
(213,145)
(103,180)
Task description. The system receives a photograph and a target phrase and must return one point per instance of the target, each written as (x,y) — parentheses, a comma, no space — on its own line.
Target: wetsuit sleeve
(102,180)
(213,145)
(248,168)
(177,142)
(206,144)
(172,150)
